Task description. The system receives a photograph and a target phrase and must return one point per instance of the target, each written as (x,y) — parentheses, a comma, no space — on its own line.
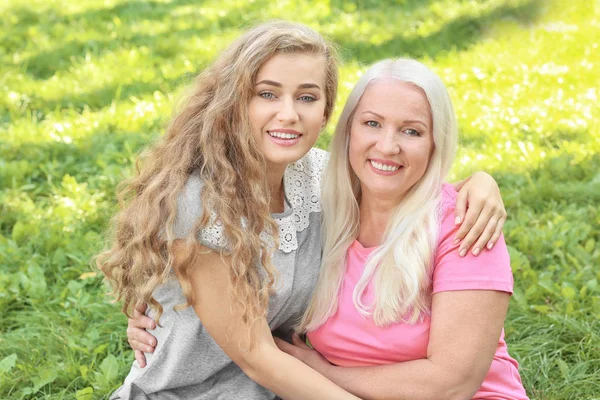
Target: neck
(275,180)
(374,216)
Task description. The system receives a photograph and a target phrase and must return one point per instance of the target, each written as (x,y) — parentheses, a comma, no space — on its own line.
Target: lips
(385,165)
(286,134)
(284,137)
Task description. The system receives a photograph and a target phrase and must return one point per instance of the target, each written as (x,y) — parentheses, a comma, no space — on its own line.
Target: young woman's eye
(267,95)
(373,124)
(307,98)
(412,132)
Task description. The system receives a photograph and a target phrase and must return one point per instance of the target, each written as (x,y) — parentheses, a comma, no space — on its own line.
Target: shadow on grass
(45,64)
(105,96)
(457,35)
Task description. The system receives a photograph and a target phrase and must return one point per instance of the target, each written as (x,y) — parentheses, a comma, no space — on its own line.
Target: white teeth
(282,135)
(384,167)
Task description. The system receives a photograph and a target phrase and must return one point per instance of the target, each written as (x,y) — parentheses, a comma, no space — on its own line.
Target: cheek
(315,116)
(253,114)
(354,151)
(420,158)
(259,118)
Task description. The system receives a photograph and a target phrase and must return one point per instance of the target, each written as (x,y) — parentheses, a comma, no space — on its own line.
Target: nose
(287,112)
(388,143)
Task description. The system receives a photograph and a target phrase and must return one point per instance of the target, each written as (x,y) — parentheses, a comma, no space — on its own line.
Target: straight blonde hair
(399,268)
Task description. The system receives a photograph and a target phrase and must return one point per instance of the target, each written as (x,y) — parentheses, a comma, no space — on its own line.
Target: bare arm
(264,363)
(464,333)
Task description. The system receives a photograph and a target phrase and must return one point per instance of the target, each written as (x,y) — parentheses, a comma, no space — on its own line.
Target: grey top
(187,363)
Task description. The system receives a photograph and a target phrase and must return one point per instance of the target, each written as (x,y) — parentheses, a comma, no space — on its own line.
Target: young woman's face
(287,110)
(391,138)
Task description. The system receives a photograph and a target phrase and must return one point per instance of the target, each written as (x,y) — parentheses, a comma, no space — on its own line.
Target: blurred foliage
(85,85)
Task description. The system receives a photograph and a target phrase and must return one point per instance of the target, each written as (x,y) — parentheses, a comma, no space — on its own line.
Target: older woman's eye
(373,124)
(412,132)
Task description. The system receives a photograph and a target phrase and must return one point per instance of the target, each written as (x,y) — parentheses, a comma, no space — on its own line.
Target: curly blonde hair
(212,136)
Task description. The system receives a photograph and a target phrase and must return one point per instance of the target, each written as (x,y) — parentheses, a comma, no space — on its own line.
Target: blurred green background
(85,85)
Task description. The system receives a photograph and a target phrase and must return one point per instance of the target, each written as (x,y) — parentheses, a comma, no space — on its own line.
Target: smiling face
(391,138)
(287,110)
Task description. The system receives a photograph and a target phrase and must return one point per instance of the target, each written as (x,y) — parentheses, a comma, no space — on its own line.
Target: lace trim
(302,182)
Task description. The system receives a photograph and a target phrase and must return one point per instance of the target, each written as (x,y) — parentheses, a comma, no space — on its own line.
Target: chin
(385,192)
(283,159)
(287,156)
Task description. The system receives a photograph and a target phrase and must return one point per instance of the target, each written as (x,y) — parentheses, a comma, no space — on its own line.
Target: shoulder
(488,271)
(189,206)
(448,199)
(190,193)
(188,200)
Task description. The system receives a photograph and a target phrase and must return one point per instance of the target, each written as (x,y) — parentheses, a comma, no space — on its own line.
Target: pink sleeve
(489,271)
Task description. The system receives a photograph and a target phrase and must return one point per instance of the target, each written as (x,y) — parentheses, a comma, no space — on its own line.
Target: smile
(283,135)
(384,167)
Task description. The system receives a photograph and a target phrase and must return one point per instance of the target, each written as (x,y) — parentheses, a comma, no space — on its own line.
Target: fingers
(140,310)
(461,207)
(141,321)
(484,233)
(139,339)
(141,346)
(485,239)
(140,358)
(470,230)
(469,221)
(497,231)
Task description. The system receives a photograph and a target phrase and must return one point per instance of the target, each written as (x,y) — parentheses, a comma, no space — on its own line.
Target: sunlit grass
(85,85)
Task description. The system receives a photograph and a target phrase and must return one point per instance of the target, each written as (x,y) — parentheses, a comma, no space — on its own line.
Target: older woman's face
(391,138)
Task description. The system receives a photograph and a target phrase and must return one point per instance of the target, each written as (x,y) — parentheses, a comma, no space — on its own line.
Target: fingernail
(151,342)
(476,251)
(456,220)
(462,252)
(456,241)
(149,349)
(490,245)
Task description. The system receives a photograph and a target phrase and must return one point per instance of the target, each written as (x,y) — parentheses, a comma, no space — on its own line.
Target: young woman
(394,300)
(224,217)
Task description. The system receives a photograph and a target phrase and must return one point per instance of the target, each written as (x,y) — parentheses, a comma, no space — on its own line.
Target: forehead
(294,69)
(392,97)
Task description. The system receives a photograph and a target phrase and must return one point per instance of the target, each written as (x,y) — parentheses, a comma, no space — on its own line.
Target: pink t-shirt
(349,339)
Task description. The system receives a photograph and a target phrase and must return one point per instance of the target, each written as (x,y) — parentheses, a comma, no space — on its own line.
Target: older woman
(397,312)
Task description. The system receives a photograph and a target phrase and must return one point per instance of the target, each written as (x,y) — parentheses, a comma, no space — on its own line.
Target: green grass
(84,85)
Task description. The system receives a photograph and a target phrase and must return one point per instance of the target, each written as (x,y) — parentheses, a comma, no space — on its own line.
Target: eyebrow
(412,121)
(277,84)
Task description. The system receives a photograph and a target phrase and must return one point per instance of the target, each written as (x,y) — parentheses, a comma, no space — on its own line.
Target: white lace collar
(302,185)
